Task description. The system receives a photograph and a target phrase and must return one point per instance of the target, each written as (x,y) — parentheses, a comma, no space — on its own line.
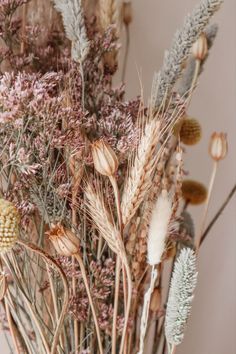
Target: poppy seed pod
(9,225)
(127,12)
(65,242)
(104,158)
(218,146)
(200,48)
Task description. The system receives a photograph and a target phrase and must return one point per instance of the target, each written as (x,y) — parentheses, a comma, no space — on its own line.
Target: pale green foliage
(180,298)
(73,20)
(194,24)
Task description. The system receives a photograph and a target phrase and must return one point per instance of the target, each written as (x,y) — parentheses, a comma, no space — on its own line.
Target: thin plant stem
(33,316)
(54,300)
(118,269)
(22,44)
(85,280)
(194,81)
(145,312)
(173,349)
(217,215)
(128,305)
(126,52)
(116,301)
(75,186)
(49,260)
(12,328)
(205,213)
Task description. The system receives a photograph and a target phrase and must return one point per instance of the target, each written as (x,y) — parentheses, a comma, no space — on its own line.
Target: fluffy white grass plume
(159,228)
(183,283)
(156,244)
(73,20)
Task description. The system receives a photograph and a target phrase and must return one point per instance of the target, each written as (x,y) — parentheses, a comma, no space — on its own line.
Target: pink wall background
(212,324)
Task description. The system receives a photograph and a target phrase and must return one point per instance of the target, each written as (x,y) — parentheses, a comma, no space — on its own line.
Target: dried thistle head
(190,132)
(9,225)
(218,146)
(64,241)
(194,192)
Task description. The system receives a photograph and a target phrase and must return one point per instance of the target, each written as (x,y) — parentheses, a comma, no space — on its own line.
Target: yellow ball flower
(9,225)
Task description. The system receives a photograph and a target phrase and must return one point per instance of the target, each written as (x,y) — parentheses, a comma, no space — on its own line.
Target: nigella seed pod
(218,146)
(190,132)
(65,242)
(200,48)
(104,158)
(9,225)
(127,12)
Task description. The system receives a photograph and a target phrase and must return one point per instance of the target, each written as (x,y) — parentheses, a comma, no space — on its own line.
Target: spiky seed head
(218,146)
(104,158)
(194,192)
(190,132)
(65,242)
(200,47)
(9,225)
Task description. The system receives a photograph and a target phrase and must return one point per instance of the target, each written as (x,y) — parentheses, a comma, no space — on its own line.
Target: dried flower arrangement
(83,255)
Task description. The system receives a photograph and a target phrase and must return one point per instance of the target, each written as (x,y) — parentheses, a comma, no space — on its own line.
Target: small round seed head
(200,48)
(190,132)
(9,225)
(194,192)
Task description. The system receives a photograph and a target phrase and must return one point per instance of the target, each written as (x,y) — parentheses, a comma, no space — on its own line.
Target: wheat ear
(103,220)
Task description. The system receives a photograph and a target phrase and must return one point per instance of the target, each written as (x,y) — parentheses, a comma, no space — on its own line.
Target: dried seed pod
(190,132)
(127,15)
(218,146)
(65,242)
(9,225)
(104,158)
(3,286)
(155,302)
(194,192)
(200,48)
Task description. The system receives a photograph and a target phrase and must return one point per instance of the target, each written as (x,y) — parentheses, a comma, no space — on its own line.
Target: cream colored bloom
(104,158)
(218,146)
(64,241)
(200,47)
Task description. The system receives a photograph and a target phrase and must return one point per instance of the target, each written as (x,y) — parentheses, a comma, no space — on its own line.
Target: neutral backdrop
(212,324)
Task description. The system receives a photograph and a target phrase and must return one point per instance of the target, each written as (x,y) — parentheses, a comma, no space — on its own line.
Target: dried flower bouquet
(93,191)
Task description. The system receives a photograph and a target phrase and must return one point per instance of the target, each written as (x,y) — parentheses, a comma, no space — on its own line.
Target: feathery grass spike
(180,298)
(73,20)
(194,25)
